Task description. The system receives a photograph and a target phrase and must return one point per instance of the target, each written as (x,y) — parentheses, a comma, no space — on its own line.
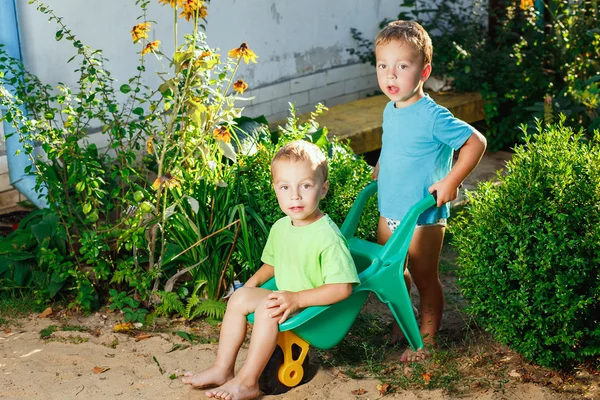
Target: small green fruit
(138,196)
(146,207)
(92,217)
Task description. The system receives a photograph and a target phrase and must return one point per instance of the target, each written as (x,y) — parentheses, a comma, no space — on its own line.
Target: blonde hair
(407,32)
(301,150)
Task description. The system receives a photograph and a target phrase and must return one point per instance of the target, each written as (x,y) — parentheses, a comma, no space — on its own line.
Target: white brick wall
(308,82)
(331,87)
(4,178)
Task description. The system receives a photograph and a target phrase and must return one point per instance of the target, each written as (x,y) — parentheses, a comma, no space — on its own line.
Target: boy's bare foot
(411,355)
(422,354)
(211,377)
(234,390)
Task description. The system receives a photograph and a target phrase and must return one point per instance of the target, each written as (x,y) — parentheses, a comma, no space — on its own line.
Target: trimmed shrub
(529,249)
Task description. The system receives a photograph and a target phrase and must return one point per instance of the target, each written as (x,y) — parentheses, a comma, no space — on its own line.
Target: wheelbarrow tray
(381,270)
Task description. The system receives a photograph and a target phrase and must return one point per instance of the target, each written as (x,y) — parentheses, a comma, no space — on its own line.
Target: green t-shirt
(306,257)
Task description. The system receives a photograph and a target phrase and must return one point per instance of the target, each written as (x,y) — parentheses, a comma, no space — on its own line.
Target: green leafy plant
(529,249)
(45,333)
(120,300)
(28,255)
(193,307)
(129,306)
(118,207)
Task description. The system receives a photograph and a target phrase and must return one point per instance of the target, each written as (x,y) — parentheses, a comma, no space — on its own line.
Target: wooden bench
(360,120)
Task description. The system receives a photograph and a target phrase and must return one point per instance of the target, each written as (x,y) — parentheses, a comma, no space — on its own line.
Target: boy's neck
(417,95)
(314,217)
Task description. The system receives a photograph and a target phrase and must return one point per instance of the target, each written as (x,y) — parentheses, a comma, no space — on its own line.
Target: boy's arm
(286,303)
(375,172)
(264,273)
(468,158)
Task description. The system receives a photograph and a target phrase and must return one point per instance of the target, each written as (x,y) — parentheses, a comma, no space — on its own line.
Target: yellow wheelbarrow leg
(291,371)
(287,367)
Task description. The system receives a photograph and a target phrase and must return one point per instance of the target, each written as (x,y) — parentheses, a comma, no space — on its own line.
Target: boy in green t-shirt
(311,263)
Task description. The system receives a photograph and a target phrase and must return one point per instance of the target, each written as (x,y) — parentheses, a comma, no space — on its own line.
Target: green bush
(529,249)
(27,256)
(348,174)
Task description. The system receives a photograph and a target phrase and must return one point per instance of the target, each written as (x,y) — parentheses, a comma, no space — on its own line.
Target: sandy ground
(62,367)
(102,364)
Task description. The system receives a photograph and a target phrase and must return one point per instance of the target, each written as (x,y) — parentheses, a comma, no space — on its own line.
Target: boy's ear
(426,72)
(324,189)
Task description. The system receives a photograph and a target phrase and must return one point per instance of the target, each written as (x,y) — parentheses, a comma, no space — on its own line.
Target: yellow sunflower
(152,46)
(172,3)
(221,133)
(243,51)
(150,145)
(167,180)
(240,86)
(191,6)
(140,31)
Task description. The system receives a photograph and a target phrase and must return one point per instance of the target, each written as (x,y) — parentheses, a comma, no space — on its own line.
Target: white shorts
(393,223)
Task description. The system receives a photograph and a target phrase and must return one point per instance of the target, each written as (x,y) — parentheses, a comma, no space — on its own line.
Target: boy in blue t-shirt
(418,141)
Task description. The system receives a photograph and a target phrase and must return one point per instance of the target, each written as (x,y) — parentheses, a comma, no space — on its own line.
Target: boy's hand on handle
(446,191)
(283,302)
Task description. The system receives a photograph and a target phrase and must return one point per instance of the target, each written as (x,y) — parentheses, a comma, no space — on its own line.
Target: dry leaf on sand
(99,370)
(123,327)
(142,336)
(46,312)
(383,388)
(426,378)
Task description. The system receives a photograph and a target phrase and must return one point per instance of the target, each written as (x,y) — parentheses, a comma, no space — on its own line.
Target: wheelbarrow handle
(400,240)
(350,224)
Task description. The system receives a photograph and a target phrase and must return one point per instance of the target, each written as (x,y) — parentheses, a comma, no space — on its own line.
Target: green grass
(13,308)
(47,332)
(365,353)
(74,328)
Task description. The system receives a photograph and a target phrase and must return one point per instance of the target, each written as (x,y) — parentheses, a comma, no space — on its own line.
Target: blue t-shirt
(417,146)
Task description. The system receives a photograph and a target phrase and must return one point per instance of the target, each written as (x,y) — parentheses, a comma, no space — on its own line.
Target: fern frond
(192,302)
(211,308)
(170,303)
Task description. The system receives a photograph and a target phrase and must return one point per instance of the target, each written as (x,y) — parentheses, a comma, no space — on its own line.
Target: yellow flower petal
(172,3)
(150,145)
(526,4)
(140,31)
(152,46)
(244,52)
(156,184)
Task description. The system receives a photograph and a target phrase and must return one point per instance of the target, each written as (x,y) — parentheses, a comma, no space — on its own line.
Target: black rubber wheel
(269,383)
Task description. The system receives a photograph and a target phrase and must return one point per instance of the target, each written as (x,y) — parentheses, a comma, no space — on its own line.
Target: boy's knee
(425,280)
(239,300)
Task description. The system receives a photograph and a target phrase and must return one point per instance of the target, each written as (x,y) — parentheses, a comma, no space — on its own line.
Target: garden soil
(85,358)
(102,364)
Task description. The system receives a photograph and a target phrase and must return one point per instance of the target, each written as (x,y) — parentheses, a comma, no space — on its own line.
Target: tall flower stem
(229,84)
(175,27)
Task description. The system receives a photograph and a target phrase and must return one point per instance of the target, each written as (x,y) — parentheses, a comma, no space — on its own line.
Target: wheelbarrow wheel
(269,382)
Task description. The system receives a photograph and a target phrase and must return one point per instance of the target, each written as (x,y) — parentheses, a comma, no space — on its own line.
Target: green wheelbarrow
(381,270)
